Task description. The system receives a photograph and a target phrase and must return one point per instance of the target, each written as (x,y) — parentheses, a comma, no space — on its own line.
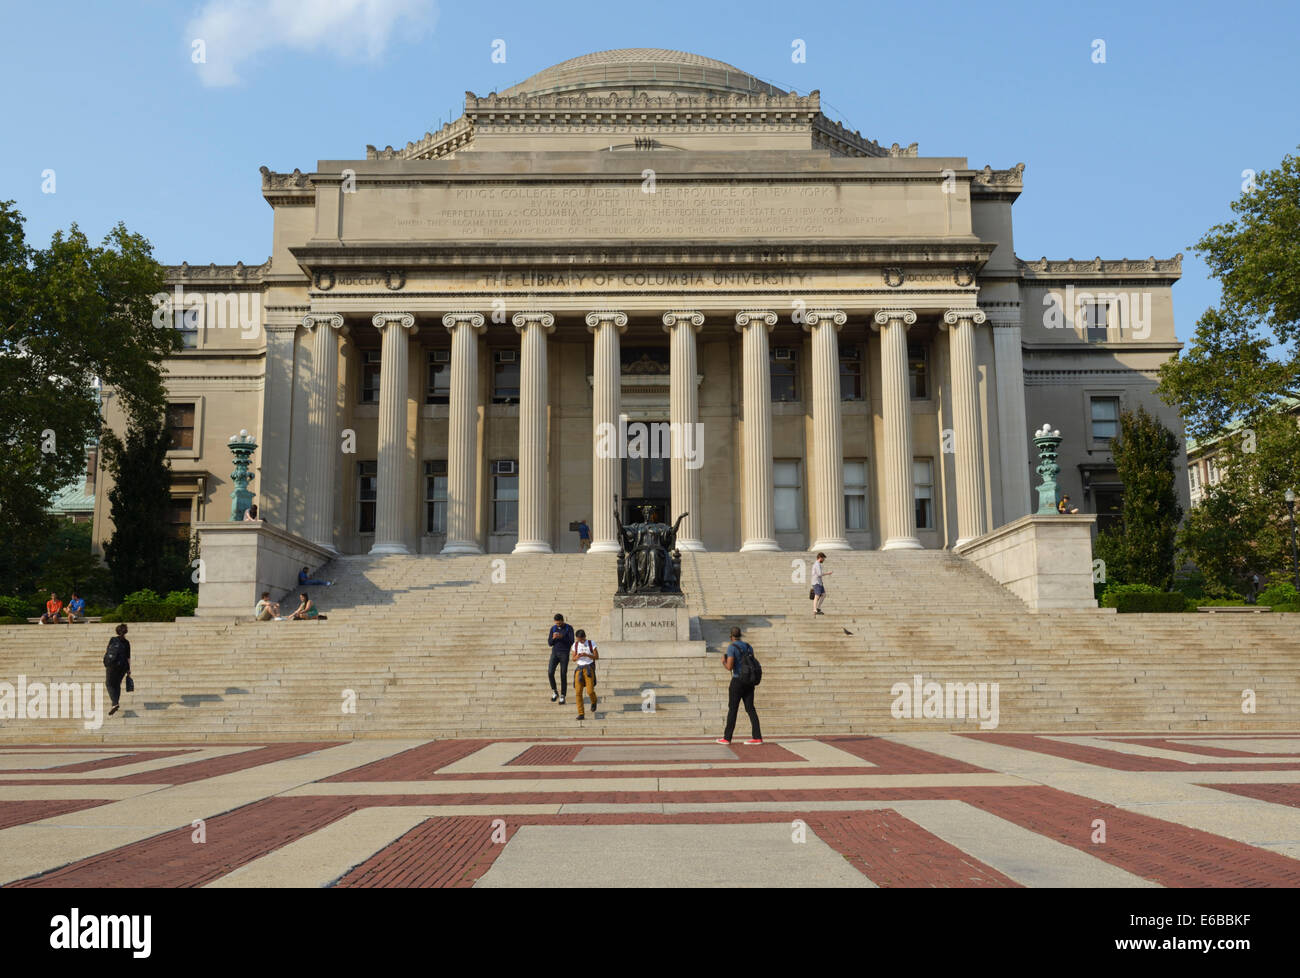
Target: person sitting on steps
(307,610)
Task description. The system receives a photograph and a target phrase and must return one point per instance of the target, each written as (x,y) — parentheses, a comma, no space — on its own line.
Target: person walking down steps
(584,676)
(560,639)
(818,584)
(117,665)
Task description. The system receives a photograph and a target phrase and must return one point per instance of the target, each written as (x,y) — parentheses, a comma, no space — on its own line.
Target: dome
(649,68)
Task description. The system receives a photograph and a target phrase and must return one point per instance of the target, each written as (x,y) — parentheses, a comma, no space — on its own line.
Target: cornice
(1043,268)
(214,274)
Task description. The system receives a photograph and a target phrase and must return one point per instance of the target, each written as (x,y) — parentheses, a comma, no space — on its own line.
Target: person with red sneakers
(741,689)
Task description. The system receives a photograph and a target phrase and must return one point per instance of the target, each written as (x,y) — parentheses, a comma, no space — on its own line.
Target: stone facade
(840,331)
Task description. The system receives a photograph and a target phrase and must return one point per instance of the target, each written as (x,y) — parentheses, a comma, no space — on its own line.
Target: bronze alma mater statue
(649,562)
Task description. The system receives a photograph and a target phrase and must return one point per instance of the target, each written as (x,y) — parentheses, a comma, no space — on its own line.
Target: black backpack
(751,673)
(115,657)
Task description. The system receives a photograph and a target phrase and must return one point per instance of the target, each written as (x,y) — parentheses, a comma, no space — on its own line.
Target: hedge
(11,620)
(143,611)
(11,607)
(1159,602)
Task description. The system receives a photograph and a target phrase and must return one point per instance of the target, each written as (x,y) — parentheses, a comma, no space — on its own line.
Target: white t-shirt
(584,650)
(817,572)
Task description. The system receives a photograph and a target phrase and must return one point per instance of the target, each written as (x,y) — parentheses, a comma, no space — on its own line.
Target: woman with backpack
(746,674)
(117,665)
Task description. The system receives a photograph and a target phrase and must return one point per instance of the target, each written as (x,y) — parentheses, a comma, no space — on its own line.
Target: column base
(693,546)
(765,543)
(902,543)
(532,547)
(458,547)
(604,547)
(380,549)
(834,543)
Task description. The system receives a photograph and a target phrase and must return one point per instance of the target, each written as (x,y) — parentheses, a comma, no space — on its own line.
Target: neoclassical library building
(645,278)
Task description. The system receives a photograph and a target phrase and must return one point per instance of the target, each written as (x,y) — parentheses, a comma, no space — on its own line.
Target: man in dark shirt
(560,640)
(739,691)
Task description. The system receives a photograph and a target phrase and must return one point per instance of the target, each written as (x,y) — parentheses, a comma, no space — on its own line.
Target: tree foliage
(69,313)
(1140,550)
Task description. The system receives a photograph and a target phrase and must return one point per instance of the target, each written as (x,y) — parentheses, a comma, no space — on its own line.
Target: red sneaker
(753,741)
(722,740)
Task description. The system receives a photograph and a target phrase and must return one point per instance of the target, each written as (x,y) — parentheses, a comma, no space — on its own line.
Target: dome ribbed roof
(642,67)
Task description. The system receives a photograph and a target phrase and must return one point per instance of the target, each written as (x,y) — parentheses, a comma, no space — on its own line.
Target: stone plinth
(649,626)
(1046,561)
(241,560)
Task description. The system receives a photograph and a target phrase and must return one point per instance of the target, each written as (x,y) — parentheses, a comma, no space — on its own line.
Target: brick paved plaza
(904,809)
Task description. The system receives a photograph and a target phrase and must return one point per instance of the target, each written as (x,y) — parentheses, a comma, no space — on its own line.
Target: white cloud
(234,31)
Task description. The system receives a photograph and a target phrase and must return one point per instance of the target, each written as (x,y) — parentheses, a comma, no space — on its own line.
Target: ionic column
(606,462)
(323,422)
(827,442)
(1013,429)
(390,506)
(462,433)
(971,521)
(759,519)
(533,327)
(684,417)
(898,505)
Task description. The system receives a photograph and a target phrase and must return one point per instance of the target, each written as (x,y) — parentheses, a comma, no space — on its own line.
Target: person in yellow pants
(584,677)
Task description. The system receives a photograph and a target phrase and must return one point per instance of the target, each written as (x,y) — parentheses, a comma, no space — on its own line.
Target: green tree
(1240,373)
(144,551)
(1140,550)
(69,313)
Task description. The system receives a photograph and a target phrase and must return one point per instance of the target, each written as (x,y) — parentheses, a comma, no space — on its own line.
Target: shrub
(1161,602)
(144,611)
(1280,593)
(1113,591)
(143,596)
(1222,603)
(11,607)
(184,602)
(12,620)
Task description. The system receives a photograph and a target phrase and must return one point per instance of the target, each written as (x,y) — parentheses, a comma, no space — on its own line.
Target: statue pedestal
(649,626)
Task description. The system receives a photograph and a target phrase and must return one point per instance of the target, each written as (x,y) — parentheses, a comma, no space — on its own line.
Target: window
(785,478)
(1212,473)
(785,373)
(1110,507)
(855,495)
(1105,418)
(505,377)
(1096,322)
(439,387)
(918,371)
(923,490)
(435,496)
(180,426)
(367,493)
(178,517)
(850,374)
(1194,476)
(370,377)
(505,496)
(187,321)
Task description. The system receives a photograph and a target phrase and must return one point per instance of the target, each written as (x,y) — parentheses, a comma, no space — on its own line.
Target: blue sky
(1132,157)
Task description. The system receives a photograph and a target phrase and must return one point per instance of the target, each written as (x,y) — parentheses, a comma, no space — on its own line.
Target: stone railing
(1046,561)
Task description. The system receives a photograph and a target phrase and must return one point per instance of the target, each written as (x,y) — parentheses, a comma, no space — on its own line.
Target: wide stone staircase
(425,647)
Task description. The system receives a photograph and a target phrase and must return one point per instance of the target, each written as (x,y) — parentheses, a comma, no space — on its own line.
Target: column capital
(686,317)
(747,316)
(831,317)
(600,317)
(884,316)
(463,317)
(523,320)
(406,319)
(314,319)
(953,316)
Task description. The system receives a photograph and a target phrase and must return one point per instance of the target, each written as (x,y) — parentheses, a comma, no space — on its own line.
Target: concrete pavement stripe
(14,761)
(143,767)
(1144,750)
(1025,856)
(758,854)
(491,758)
(42,792)
(322,857)
(824,755)
(26,850)
(727,784)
